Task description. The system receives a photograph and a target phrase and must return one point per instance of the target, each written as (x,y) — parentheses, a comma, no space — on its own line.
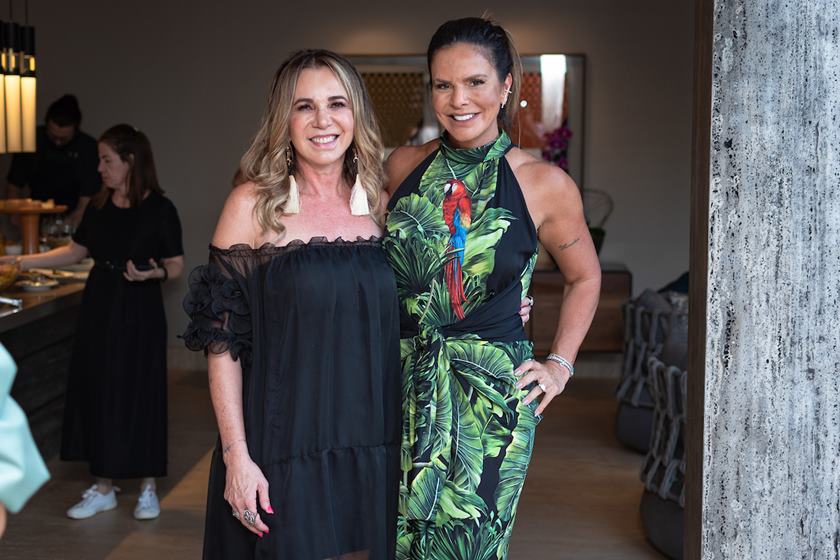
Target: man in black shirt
(64,165)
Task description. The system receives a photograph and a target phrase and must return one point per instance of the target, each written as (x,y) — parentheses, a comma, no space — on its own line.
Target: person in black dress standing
(115,414)
(297,310)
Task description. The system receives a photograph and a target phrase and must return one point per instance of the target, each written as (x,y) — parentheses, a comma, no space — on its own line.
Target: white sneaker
(147,505)
(92,503)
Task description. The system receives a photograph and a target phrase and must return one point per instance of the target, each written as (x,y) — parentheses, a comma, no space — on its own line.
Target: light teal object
(22,471)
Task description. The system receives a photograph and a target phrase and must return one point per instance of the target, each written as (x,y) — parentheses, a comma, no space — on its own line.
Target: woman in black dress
(297,310)
(115,413)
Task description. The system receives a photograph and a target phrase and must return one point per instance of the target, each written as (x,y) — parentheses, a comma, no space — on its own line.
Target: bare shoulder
(548,190)
(403,160)
(236,223)
(543,183)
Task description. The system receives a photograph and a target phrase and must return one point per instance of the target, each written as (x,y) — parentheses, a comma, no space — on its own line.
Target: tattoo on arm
(565,246)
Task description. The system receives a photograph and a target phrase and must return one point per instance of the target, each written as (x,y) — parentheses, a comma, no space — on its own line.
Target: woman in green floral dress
(466,214)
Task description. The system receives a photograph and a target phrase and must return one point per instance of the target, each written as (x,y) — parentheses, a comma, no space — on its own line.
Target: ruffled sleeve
(217,304)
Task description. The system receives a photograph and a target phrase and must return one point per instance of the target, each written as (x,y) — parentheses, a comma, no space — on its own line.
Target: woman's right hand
(245,484)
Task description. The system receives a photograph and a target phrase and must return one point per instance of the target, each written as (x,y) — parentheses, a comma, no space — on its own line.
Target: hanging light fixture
(11,79)
(18,88)
(3,148)
(27,88)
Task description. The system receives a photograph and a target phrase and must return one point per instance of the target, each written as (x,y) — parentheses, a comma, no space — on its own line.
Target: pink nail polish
(261,535)
(270,510)
(267,531)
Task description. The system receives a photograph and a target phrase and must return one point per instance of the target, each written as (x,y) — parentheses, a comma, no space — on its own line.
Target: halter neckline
(473,156)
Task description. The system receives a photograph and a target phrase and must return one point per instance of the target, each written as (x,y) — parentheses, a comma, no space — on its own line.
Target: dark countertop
(37,305)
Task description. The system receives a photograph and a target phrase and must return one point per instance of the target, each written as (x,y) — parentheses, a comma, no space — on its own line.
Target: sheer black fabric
(315,327)
(221,321)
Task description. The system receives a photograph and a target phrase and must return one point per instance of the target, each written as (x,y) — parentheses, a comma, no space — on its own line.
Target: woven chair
(646,321)
(663,472)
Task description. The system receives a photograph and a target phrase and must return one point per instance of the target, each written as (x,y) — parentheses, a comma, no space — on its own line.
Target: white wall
(194,77)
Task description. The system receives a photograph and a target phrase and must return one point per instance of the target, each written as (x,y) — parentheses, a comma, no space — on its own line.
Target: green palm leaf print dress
(462,245)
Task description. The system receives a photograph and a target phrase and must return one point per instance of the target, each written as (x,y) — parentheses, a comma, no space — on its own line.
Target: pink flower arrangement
(556,146)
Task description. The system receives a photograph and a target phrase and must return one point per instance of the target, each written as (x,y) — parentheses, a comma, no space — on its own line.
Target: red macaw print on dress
(457,211)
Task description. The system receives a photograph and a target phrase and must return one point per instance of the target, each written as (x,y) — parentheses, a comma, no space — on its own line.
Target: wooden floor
(580,500)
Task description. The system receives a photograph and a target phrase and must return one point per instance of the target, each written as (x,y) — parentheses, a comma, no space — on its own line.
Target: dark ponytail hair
(496,42)
(134,148)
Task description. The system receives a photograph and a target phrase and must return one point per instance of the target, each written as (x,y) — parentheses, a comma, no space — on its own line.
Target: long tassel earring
(293,203)
(358,196)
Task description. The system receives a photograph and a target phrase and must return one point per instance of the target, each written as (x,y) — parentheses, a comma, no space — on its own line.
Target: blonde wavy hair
(264,163)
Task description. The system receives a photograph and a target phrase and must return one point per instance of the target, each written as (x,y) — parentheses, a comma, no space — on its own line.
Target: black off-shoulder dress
(315,327)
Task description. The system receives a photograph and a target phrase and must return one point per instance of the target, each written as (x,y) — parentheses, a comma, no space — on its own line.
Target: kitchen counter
(38,305)
(40,337)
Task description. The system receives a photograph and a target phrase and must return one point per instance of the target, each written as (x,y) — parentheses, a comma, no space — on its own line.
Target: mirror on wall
(550,125)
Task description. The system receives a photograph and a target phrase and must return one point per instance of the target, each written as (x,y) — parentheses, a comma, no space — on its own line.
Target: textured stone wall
(772,423)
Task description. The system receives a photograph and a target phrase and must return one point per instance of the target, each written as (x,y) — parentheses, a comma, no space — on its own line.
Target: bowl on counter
(37,285)
(9,272)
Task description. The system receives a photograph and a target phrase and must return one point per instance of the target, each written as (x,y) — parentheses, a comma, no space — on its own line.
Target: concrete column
(771,483)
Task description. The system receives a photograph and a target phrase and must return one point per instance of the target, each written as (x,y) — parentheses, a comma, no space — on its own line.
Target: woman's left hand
(132,274)
(551,379)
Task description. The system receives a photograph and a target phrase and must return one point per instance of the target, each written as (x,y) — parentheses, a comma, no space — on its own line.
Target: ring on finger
(530,300)
(249,516)
(542,386)
(235,514)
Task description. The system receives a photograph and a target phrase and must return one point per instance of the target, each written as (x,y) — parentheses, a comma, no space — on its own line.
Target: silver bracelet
(563,362)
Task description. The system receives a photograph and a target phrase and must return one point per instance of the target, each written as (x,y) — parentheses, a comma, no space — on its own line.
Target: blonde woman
(297,311)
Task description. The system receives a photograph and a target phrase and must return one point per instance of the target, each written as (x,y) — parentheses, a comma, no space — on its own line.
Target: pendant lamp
(3,147)
(18,85)
(11,80)
(27,88)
